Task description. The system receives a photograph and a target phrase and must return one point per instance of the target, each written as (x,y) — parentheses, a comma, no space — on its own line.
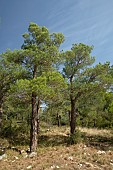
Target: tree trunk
(33,133)
(94,122)
(73,117)
(69,112)
(73,108)
(38,119)
(58,120)
(1,113)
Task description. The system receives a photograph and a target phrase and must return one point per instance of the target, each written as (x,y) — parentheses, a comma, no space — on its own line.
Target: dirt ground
(95,152)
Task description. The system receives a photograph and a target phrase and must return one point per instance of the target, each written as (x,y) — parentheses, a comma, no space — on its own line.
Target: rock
(55,167)
(3,156)
(88,164)
(48,129)
(29,167)
(70,158)
(111,163)
(28,150)
(32,154)
(16,157)
(101,152)
(2,151)
(13,161)
(22,151)
(25,155)
(13,147)
(80,165)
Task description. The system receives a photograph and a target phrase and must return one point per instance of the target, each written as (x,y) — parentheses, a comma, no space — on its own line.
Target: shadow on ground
(99,142)
(14,139)
(52,140)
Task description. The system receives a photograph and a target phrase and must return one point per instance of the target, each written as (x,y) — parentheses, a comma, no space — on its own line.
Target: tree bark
(38,119)
(73,117)
(1,113)
(58,120)
(69,112)
(33,135)
(33,132)
(73,108)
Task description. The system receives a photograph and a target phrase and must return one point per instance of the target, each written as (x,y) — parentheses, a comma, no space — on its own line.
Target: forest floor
(94,151)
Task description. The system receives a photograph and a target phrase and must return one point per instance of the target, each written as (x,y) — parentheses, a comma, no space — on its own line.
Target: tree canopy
(29,77)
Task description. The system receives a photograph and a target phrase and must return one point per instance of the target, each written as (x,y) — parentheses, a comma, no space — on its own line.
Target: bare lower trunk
(33,134)
(69,112)
(58,120)
(38,119)
(73,117)
(1,113)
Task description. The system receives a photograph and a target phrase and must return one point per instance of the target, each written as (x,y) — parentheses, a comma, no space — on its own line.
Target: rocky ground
(95,151)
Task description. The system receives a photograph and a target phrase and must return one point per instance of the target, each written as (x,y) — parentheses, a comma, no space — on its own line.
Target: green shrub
(75,138)
(16,132)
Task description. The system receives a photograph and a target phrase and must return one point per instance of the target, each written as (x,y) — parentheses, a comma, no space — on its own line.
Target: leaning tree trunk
(73,117)
(33,132)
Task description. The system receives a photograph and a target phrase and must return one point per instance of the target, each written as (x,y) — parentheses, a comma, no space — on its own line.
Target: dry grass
(95,152)
(98,132)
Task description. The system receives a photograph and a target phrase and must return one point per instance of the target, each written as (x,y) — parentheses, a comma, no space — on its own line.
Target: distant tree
(91,108)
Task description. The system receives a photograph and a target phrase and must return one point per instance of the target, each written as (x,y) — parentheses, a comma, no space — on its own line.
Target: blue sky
(85,21)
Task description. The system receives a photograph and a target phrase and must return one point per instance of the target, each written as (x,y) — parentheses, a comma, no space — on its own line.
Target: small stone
(25,155)
(57,166)
(13,161)
(111,163)
(28,150)
(22,151)
(53,166)
(32,154)
(13,147)
(16,157)
(3,156)
(80,165)
(88,164)
(101,152)
(29,167)
(70,158)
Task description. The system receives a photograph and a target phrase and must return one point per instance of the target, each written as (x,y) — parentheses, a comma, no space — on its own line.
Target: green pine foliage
(32,69)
